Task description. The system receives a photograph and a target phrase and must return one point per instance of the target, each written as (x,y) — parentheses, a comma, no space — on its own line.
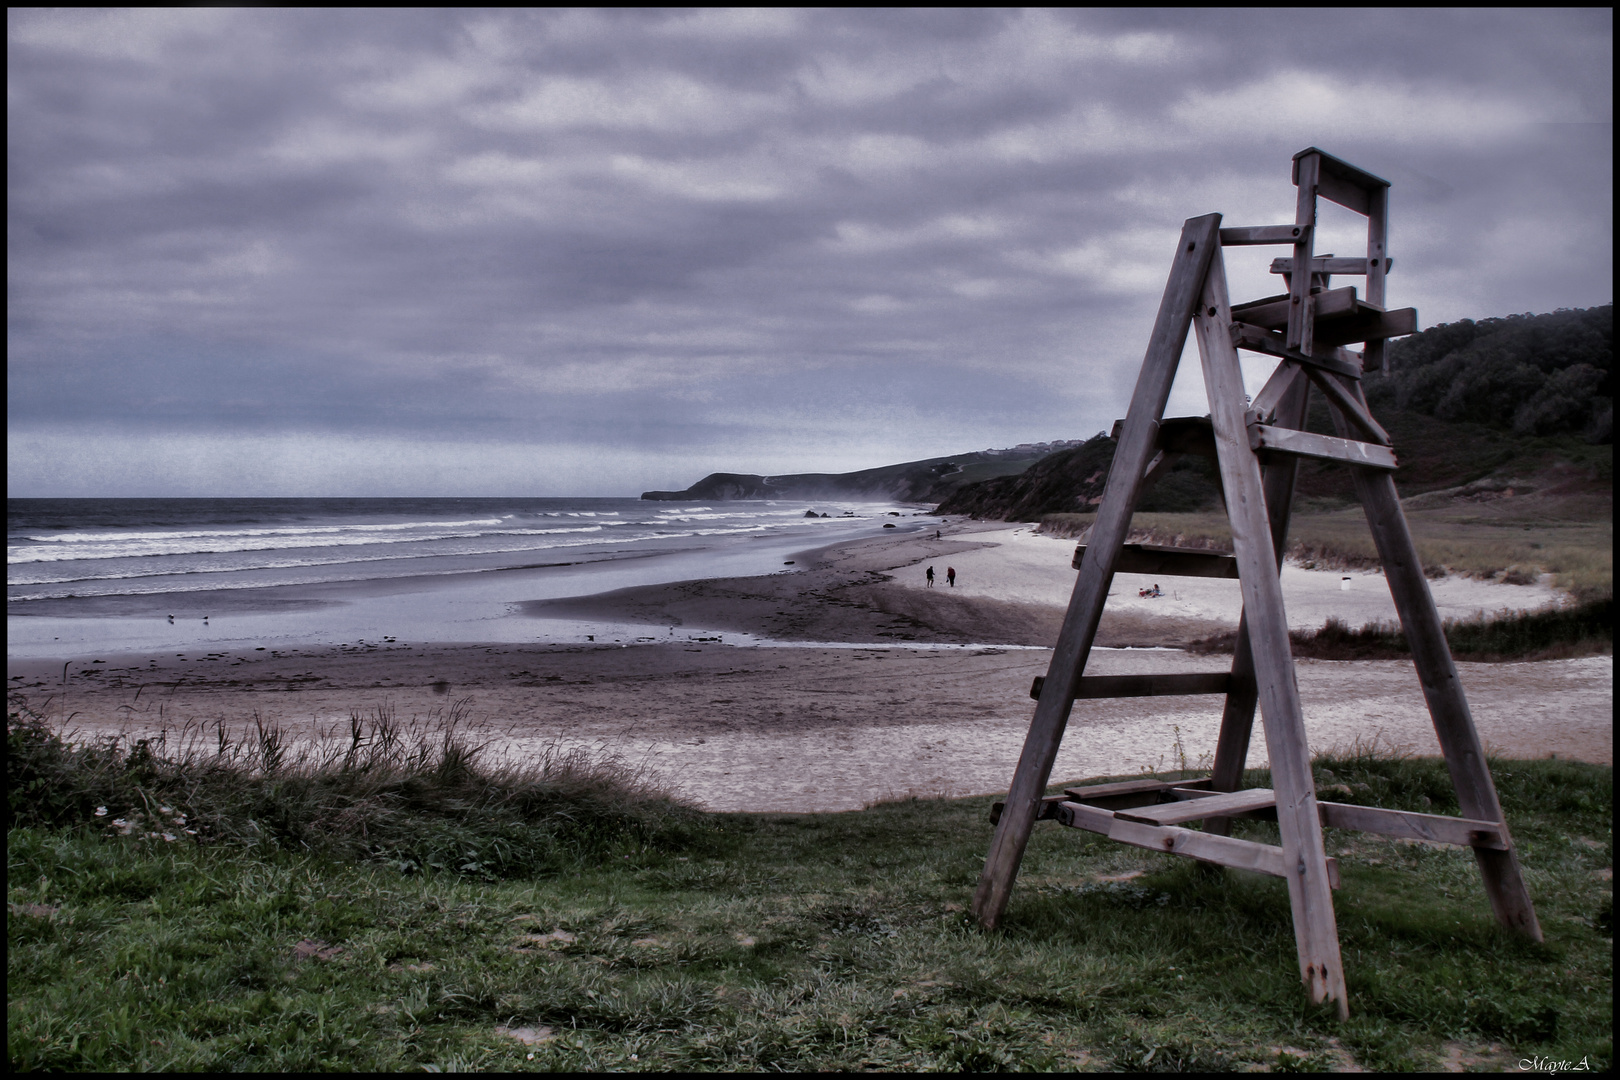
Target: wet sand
(932,701)
(807,729)
(844,684)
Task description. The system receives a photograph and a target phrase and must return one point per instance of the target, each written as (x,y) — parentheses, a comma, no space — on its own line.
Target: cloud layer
(588,252)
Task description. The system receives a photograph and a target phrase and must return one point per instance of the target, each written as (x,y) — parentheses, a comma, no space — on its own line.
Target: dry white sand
(1026,567)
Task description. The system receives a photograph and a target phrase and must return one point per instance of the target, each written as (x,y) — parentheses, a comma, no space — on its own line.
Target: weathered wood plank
(1323,264)
(1272,312)
(1302,309)
(1169,561)
(1086,792)
(1090,687)
(1254,338)
(1338,180)
(1238,854)
(1047,812)
(1237,718)
(1310,892)
(1080,816)
(1251,235)
(1220,805)
(1379,264)
(1123,796)
(1203,846)
(1195,249)
(1271,395)
(1345,194)
(1368,324)
(1305,444)
(1448,707)
(1435,828)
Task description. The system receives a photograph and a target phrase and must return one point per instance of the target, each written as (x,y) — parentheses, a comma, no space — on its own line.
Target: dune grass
(1586,629)
(765,942)
(1579,554)
(424,794)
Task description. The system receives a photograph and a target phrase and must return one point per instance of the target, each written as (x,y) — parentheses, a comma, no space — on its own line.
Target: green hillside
(1523,403)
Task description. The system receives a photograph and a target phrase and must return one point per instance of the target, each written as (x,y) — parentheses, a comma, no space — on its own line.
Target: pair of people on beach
(950,576)
(1150,592)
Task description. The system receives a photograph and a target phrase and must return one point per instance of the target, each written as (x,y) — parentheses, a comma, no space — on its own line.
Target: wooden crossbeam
(1267,403)
(1340,318)
(1167,561)
(1207,847)
(1350,406)
(1368,324)
(1271,313)
(1339,181)
(1046,812)
(1326,447)
(1252,235)
(1092,687)
(1435,828)
(1258,339)
(1226,804)
(1328,264)
(1091,792)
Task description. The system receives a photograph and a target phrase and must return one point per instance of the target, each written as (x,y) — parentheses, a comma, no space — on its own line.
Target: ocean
(437,568)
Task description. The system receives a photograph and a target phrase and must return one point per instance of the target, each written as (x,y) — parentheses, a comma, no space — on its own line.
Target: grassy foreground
(788,942)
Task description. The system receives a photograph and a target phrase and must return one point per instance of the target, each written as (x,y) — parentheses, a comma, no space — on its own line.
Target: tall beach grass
(417,794)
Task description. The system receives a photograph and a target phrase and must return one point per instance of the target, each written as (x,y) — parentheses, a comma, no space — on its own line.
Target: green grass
(800,942)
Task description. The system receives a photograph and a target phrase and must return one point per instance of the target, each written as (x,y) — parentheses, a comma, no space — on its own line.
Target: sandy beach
(844,684)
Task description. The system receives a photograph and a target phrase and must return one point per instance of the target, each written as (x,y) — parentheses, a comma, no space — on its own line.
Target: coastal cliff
(926,481)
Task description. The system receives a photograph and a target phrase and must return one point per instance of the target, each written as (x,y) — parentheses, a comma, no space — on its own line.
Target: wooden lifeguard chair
(1257,447)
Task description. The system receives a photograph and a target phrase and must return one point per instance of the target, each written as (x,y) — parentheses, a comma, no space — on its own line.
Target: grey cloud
(855,232)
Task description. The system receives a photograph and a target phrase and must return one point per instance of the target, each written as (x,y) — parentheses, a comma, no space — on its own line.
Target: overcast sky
(316,252)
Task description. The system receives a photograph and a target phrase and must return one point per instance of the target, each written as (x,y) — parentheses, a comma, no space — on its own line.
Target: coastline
(824,688)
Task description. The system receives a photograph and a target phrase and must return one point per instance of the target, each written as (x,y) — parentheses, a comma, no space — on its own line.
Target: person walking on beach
(930,577)
(950,576)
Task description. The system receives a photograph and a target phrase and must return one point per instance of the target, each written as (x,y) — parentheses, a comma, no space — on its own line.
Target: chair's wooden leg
(1137,445)
(1237,718)
(1443,691)
(1310,893)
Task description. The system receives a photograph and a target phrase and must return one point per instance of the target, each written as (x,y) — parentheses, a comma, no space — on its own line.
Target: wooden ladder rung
(1327,264)
(1121,686)
(1251,235)
(1434,828)
(1206,847)
(1088,792)
(1168,561)
(1226,804)
(1327,447)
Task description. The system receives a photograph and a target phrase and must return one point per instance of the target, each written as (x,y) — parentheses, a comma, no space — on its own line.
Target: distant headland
(928,481)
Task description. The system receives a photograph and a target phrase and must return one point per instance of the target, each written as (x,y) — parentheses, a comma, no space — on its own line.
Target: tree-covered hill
(1512,398)
(1529,374)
